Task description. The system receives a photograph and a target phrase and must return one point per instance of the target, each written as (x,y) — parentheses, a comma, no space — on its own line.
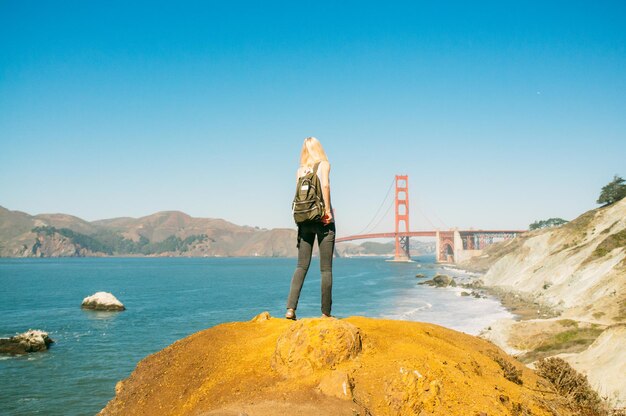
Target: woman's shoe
(291,314)
(327,316)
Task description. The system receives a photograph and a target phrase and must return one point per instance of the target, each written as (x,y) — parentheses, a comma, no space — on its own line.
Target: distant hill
(372,248)
(165,233)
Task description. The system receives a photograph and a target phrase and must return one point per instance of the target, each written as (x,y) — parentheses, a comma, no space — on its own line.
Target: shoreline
(522,306)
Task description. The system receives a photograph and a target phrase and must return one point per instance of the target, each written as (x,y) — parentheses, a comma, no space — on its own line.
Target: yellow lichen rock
(315,367)
(263,316)
(337,384)
(312,344)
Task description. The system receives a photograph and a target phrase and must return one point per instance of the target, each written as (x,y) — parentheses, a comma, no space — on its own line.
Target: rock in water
(312,344)
(442,280)
(32,340)
(102,301)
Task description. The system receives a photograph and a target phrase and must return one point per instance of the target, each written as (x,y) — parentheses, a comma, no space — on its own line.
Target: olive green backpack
(308,204)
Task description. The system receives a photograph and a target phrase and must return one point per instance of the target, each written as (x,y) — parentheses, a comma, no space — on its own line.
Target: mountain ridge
(169,233)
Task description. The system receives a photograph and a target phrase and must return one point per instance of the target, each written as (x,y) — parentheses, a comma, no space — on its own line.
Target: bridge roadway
(423,234)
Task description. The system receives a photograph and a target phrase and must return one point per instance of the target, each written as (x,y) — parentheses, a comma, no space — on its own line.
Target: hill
(373,248)
(353,366)
(165,233)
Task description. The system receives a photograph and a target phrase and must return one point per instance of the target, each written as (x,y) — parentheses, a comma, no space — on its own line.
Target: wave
(410,314)
(460,272)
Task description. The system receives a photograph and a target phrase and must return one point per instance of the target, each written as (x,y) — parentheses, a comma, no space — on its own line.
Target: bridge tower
(402,219)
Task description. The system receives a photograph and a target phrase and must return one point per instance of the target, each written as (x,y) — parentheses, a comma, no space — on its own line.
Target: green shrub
(610,243)
(550,222)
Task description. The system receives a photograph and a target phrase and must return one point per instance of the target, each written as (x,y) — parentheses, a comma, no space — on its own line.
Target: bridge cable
(426,218)
(391,204)
(379,208)
(439,219)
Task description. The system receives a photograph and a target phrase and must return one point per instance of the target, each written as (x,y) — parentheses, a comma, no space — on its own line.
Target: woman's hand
(327,218)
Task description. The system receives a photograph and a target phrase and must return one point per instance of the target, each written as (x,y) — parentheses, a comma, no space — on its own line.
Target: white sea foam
(27,399)
(413,313)
(459,272)
(446,307)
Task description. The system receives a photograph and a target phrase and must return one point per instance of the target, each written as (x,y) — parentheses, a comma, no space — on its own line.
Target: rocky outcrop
(440,280)
(311,344)
(331,367)
(102,301)
(56,246)
(30,341)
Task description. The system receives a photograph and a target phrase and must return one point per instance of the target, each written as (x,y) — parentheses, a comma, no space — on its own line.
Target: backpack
(308,203)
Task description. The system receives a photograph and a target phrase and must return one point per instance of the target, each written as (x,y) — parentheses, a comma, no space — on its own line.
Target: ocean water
(170,298)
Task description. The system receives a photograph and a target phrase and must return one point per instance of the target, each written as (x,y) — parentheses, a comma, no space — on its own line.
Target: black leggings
(326,241)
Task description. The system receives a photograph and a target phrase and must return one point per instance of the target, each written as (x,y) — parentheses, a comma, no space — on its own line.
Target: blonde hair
(312,152)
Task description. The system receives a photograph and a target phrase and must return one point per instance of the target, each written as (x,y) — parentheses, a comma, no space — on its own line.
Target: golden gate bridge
(451,246)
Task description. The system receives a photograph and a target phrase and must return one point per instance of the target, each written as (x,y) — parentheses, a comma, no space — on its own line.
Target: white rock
(102,301)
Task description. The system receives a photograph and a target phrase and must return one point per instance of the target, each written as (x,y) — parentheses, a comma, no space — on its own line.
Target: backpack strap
(315,167)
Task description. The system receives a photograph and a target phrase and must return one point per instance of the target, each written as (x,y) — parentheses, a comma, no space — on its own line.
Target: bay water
(170,298)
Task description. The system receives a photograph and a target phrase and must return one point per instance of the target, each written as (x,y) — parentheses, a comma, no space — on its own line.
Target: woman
(313,153)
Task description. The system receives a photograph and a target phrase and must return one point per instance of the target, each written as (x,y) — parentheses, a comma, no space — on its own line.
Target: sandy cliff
(353,366)
(578,269)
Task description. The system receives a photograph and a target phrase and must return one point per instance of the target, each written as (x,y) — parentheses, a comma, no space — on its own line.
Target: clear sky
(501,114)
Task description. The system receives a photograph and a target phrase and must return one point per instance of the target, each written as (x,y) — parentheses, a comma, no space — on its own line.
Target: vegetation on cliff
(550,222)
(613,191)
(113,243)
(573,388)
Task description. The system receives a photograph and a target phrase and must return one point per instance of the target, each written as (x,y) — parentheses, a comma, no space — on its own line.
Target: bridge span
(452,246)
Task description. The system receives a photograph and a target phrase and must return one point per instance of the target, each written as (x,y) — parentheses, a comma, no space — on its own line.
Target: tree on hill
(550,222)
(612,191)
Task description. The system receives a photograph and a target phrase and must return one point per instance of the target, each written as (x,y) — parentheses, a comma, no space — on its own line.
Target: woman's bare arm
(325,179)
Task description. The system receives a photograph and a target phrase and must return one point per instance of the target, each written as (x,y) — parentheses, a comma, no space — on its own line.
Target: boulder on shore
(32,340)
(441,280)
(102,301)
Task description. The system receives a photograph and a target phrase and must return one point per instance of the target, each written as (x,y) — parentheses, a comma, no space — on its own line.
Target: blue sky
(500,114)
